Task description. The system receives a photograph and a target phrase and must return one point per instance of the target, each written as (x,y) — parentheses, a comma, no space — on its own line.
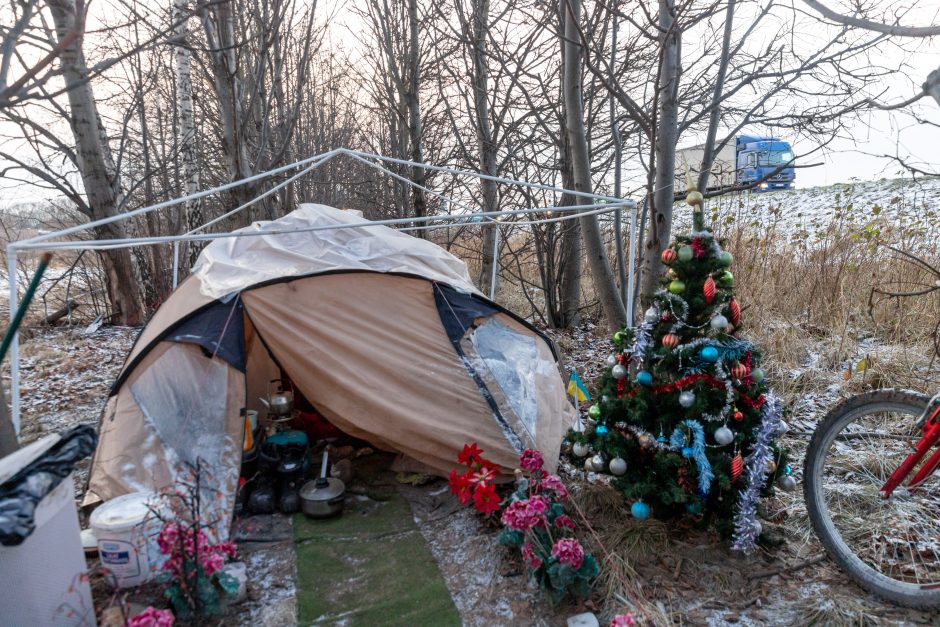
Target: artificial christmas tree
(685,422)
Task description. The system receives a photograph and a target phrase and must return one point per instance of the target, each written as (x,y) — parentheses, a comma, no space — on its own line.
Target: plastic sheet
(20,494)
(233,264)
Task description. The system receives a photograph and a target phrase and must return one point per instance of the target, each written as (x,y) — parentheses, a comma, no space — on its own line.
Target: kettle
(280,403)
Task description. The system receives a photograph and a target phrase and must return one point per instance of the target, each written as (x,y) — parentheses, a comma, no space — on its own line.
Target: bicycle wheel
(889,546)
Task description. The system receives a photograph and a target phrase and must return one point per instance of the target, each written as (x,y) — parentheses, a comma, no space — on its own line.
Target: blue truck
(748,160)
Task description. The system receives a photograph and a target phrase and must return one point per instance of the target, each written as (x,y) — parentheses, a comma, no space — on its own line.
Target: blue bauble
(601,430)
(640,510)
(661,439)
(694,507)
(644,377)
(709,354)
(688,451)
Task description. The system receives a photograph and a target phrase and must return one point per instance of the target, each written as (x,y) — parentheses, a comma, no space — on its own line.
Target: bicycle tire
(848,412)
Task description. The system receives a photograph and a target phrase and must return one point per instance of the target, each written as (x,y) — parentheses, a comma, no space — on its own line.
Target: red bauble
(737,467)
(740,371)
(709,290)
(735,312)
(738,415)
(669,255)
(670,340)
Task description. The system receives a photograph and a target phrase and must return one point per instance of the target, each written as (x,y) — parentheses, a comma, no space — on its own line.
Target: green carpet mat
(370,566)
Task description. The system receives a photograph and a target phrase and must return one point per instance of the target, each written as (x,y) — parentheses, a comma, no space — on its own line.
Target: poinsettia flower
(470,455)
(569,551)
(531,460)
(485,499)
(483,476)
(460,486)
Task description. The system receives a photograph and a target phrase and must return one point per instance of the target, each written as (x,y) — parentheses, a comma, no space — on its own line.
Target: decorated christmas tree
(684,421)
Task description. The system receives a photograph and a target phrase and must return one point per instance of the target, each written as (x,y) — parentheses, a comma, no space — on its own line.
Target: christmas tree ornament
(611,361)
(598,462)
(724,436)
(618,337)
(670,340)
(651,314)
(738,415)
(645,441)
(618,466)
(726,279)
(725,259)
(618,371)
(640,510)
(588,465)
(669,255)
(719,323)
(709,354)
(709,290)
(737,467)
(739,371)
(782,429)
(594,411)
(671,274)
(771,466)
(644,377)
(757,375)
(677,287)
(787,483)
(758,528)
(661,439)
(694,198)
(735,312)
(685,253)
(687,398)
(601,430)
(580,449)
(694,508)
(688,451)
(787,470)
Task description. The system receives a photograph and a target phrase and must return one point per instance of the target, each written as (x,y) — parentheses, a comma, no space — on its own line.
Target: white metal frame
(595,204)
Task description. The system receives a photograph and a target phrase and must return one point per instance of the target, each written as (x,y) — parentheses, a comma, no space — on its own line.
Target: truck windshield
(774,157)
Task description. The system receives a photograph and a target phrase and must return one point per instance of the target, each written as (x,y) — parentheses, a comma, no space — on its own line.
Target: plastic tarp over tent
(383,333)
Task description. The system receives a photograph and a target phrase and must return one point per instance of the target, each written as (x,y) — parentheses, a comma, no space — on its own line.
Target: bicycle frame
(931,427)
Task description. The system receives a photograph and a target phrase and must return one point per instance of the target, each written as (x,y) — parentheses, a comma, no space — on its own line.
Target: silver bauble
(605,398)
(783,428)
(618,466)
(758,528)
(724,436)
(719,323)
(651,315)
(588,466)
(619,372)
(598,462)
(580,449)
(687,398)
(787,483)
(645,440)
(611,361)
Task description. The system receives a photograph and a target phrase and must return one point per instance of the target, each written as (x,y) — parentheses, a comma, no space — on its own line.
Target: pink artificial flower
(564,522)
(553,483)
(623,620)
(525,514)
(168,538)
(569,551)
(528,554)
(531,460)
(152,617)
(212,563)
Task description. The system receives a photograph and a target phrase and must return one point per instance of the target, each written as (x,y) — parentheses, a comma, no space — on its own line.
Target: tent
(385,335)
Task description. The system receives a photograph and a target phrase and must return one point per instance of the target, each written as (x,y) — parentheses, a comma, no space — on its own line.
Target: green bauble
(618,337)
(725,259)
(757,375)
(594,412)
(685,253)
(726,279)
(677,287)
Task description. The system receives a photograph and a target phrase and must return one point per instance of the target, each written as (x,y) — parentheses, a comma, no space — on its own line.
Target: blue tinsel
(679,441)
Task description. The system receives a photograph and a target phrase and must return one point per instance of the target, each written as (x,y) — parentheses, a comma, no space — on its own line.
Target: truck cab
(757,157)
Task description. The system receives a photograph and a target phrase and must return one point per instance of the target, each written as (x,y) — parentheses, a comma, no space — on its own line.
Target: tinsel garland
(638,432)
(642,340)
(678,441)
(729,395)
(746,525)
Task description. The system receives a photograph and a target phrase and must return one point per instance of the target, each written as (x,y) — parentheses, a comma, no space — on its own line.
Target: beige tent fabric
(369,351)
(132,456)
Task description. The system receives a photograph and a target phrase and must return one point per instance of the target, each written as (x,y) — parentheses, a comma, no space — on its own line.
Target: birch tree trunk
(99,176)
(667,132)
(714,116)
(487,147)
(413,101)
(604,284)
(190,215)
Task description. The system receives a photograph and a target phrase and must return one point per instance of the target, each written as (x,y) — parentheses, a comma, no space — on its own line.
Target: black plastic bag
(20,494)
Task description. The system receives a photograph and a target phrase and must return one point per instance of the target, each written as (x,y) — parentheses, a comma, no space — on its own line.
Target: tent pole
(495,262)
(176,264)
(15,345)
(630,273)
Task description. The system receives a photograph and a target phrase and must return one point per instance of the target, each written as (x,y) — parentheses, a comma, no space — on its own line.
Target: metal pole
(631,284)
(495,261)
(15,345)
(176,264)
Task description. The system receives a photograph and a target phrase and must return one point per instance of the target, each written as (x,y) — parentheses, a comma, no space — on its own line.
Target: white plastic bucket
(127,530)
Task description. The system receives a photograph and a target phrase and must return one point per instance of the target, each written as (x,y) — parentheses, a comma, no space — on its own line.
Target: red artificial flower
(564,522)
(460,486)
(531,460)
(470,455)
(482,476)
(485,499)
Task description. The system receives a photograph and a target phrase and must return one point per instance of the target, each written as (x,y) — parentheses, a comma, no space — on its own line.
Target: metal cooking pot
(280,403)
(323,497)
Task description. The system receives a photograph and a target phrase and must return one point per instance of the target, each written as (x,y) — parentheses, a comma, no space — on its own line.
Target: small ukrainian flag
(577,388)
